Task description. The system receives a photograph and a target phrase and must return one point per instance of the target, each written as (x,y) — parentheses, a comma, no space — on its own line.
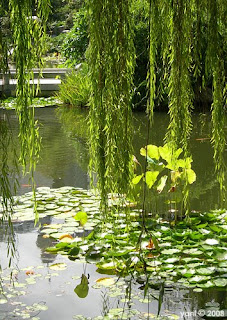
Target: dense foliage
(75,89)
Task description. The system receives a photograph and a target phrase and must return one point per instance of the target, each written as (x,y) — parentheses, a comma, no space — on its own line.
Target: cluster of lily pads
(15,286)
(10,103)
(191,252)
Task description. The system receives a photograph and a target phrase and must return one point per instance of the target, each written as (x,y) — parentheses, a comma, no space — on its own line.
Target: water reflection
(64,156)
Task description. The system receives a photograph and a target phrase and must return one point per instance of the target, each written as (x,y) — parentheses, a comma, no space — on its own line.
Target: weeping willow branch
(151,75)
(8,171)
(215,62)
(180,97)
(111,60)
(28,40)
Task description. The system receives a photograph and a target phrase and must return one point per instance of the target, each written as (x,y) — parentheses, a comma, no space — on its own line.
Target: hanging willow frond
(8,171)
(111,60)
(151,74)
(180,95)
(28,35)
(28,40)
(215,63)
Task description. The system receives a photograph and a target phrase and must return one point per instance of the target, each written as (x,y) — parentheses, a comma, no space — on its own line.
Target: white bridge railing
(48,83)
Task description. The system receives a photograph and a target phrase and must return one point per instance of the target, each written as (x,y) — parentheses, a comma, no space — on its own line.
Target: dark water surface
(64,161)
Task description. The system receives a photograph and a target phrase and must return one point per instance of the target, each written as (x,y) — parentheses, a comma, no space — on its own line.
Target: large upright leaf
(162,183)
(191,176)
(151,151)
(81,216)
(82,289)
(151,177)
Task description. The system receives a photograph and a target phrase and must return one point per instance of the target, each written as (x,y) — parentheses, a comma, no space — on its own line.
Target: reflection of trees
(43,243)
(62,158)
(58,150)
(64,153)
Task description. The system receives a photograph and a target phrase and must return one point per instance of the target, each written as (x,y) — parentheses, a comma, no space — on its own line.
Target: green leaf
(82,289)
(106,282)
(220,282)
(162,183)
(81,216)
(198,279)
(151,151)
(151,177)
(205,271)
(52,250)
(137,179)
(188,273)
(211,242)
(58,266)
(170,251)
(74,251)
(165,152)
(191,176)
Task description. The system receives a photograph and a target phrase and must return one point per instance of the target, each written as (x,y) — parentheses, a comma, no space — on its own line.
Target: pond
(45,283)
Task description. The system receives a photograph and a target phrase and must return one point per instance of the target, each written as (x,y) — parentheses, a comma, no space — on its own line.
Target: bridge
(48,83)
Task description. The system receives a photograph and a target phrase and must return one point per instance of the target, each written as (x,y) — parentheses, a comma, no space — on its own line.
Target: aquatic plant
(75,89)
(165,168)
(190,252)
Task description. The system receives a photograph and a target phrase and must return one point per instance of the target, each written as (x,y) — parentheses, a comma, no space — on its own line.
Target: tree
(174,34)
(27,20)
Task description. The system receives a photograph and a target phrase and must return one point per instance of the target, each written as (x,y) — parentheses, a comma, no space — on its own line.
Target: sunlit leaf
(151,151)
(211,242)
(162,183)
(151,177)
(81,216)
(220,282)
(106,282)
(137,179)
(205,271)
(170,251)
(191,176)
(198,279)
(58,266)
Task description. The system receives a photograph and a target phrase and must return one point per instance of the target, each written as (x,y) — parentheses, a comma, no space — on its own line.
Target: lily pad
(58,266)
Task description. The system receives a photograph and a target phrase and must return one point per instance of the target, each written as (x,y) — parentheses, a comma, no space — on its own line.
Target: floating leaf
(170,251)
(187,272)
(198,279)
(220,282)
(74,251)
(211,242)
(58,266)
(40,306)
(3,301)
(193,252)
(206,271)
(106,282)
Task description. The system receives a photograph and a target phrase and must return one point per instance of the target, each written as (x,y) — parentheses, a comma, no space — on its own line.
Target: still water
(63,162)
